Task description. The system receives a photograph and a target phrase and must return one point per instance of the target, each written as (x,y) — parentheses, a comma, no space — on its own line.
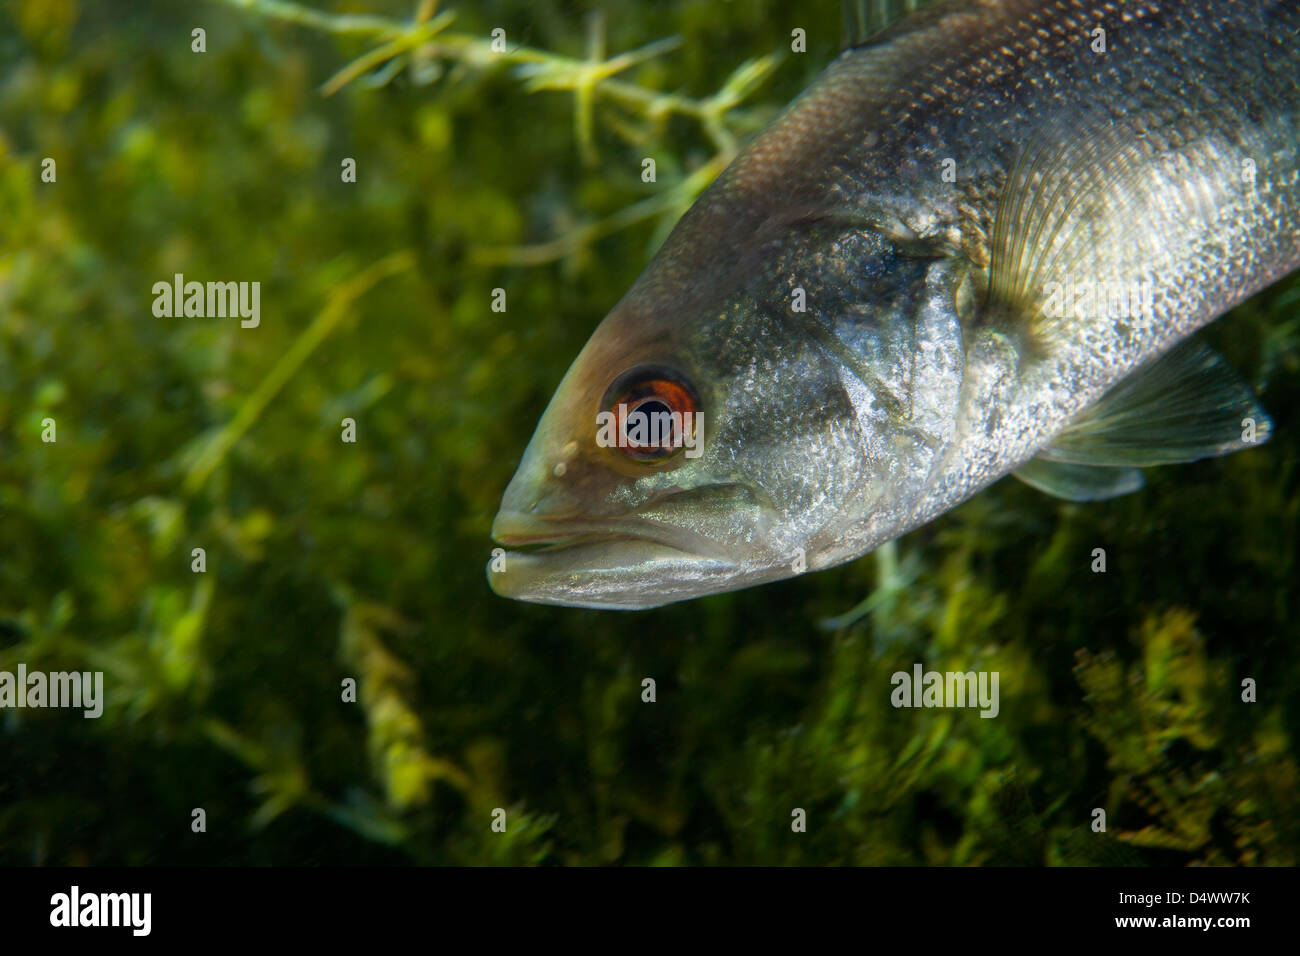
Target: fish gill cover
(266,528)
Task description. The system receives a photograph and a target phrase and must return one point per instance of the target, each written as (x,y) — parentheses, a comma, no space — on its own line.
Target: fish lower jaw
(619,574)
(610,573)
(638,565)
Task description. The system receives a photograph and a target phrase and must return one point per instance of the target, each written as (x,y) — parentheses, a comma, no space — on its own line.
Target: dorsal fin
(864,20)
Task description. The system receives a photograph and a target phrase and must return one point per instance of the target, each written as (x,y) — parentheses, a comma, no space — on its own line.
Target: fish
(979,244)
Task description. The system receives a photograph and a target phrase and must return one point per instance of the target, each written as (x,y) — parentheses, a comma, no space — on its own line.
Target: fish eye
(654,413)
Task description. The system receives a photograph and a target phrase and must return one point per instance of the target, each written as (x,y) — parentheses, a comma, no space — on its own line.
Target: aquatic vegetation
(327,561)
(426,48)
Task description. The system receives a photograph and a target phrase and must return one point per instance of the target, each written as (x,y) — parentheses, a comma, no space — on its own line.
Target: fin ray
(1075,482)
(865,20)
(1186,405)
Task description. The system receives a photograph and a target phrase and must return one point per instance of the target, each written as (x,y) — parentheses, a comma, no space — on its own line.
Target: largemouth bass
(976,245)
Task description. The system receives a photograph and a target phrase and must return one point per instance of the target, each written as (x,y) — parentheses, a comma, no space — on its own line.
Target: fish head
(781,453)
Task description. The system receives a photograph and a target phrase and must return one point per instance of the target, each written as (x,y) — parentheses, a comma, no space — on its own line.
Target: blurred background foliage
(328,560)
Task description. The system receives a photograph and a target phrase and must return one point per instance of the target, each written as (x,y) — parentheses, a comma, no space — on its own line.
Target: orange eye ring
(655,414)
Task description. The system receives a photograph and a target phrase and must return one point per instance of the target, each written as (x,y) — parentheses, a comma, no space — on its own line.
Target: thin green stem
(338,308)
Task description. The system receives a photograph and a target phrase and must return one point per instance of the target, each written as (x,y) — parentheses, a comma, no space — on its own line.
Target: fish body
(976,245)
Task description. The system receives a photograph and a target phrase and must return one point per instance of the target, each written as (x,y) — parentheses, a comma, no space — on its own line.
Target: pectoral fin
(1054,213)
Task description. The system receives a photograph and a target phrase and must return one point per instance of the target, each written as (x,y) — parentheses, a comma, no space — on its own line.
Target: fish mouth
(528,535)
(622,564)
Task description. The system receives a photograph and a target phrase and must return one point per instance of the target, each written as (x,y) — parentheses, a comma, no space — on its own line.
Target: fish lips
(615,566)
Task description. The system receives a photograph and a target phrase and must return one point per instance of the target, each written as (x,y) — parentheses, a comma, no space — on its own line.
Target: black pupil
(659,428)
